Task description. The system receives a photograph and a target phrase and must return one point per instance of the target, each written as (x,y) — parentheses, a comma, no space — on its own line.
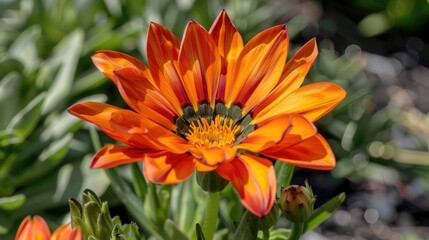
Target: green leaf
(284,174)
(132,203)
(24,47)
(9,97)
(12,203)
(323,212)
(24,122)
(173,231)
(247,228)
(139,183)
(67,52)
(199,231)
(280,234)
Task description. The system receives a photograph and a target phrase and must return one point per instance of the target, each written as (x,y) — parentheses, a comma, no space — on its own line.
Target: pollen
(218,132)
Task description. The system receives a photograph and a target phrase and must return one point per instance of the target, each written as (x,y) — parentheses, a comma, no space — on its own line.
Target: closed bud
(211,181)
(297,203)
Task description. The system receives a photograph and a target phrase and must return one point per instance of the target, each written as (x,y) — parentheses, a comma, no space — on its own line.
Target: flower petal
(113,155)
(168,168)
(227,39)
(144,133)
(162,53)
(35,228)
(109,61)
(254,179)
(200,65)
(292,77)
(129,127)
(214,155)
(267,134)
(65,232)
(258,68)
(145,98)
(300,130)
(98,114)
(313,153)
(313,101)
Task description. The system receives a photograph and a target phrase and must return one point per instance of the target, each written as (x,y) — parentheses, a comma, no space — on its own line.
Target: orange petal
(129,127)
(144,133)
(168,168)
(35,228)
(65,232)
(258,68)
(201,167)
(144,98)
(200,65)
(300,130)
(254,179)
(267,134)
(98,114)
(313,153)
(162,53)
(214,155)
(313,101)
(113,155)
(227,39)
(292,77)
(109,61)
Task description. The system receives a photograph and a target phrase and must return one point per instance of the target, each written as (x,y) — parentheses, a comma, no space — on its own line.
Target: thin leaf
(12,203)
(284,173)
(24,122)
(68,52)
(324,212)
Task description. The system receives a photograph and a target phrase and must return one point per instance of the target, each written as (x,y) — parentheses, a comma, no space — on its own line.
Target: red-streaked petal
(267,134)
(313,153)
(200,65)
(227,39)
(144,133)
(113,155)
(109,61)
(168,168)
(258,68)
(293,75)
(254,179)
(65,232)
(35,228)
(162,54)
(129,127)
(313,101)
(144,98)
(300,130)
(162,46)
(98,114)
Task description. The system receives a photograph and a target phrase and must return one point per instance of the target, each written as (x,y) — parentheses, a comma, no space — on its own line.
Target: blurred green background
(378,51)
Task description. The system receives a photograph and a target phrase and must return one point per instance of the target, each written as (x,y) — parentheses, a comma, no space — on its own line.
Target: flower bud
(297,203)
(211,181)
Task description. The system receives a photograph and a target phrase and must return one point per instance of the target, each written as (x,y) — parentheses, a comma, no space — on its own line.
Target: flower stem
(297,231)
(209,224)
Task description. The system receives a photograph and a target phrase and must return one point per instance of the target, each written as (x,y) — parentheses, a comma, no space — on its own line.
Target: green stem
(210,220)
(297,231)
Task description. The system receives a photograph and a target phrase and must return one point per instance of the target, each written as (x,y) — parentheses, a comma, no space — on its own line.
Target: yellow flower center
(217,133)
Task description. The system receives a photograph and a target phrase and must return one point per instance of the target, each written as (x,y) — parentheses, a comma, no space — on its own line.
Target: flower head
(211,103)
(36,229)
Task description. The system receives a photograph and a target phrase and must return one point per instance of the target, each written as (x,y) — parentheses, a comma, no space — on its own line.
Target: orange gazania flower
(36,229)
(211,103)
